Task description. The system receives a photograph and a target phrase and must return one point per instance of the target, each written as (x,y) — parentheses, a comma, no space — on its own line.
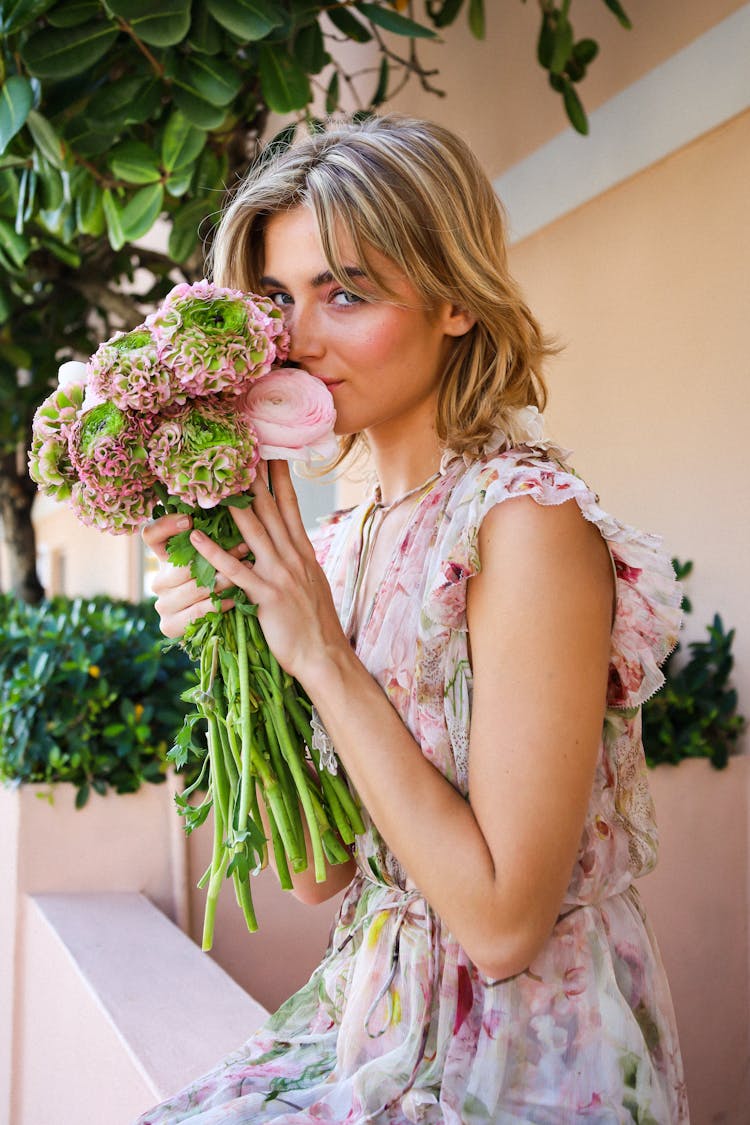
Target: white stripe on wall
(697,89)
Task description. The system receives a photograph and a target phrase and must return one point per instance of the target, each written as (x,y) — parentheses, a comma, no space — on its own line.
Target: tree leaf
(247,19)
(199,112)
(332,93)
(182,142)
(476,19)
(285,85)
(46,139)
(585,51)
(89,209)
(8,193)
(63,52)
(185,233)
(213,80)
(563,45)
(16,100)
(392,21)
(116,99)
(62,252)
(135,163)
(619,11)
(348,24)
(73,12)
(205,37)
(16,246)
(161,25)
(112,216)
(179,182)
(141,212)
(546,42)
(574,109)
(444,14)
(15,14)
(50,181)
(381,93)
(310,50)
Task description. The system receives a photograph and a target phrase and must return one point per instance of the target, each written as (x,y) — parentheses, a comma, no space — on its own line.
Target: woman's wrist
(328,672)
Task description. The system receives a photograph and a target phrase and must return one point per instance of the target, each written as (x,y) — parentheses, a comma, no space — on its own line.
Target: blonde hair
(415,192)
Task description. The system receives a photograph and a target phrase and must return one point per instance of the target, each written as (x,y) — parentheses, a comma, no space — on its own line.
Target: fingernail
(196,537)
(243,550)
(183,523)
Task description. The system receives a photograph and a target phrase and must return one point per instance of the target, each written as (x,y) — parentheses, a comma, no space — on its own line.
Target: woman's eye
(280,299)
(345,298)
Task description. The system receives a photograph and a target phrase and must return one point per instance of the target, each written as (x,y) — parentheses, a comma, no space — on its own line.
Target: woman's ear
(456,320)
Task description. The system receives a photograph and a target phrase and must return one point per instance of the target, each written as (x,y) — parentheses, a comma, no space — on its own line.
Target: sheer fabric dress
(397,1024)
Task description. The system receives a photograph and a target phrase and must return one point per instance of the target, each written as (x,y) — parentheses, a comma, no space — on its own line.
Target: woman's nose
(304,335)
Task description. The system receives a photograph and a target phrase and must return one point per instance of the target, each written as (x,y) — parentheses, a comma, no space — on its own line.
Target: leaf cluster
(568,59)
(87,694)
(695,714)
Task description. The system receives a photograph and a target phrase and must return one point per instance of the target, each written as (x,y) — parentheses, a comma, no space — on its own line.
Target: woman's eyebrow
(323,278)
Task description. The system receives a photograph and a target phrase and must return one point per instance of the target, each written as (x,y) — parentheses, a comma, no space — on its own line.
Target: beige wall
(501,102)
(647,286)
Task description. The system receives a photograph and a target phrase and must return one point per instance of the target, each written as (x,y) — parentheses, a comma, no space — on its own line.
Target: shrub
(87,694)
(695,713)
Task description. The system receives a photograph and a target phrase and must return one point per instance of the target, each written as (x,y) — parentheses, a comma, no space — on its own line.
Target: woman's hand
(295,606)
(179,598)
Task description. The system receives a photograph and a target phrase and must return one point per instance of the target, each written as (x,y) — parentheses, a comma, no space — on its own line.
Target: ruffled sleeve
(648,615)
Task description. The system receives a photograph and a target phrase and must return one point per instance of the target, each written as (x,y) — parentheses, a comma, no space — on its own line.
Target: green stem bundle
(260,756)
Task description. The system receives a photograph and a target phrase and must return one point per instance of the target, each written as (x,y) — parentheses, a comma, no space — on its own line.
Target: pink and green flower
(126,370)
(49,458)
(214,339)
(204,454)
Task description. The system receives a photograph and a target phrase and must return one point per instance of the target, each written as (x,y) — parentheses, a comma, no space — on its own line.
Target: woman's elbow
(505,955)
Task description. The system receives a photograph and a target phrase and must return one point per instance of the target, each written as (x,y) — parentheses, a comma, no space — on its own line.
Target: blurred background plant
(695,713)
(117,115)
(87,694)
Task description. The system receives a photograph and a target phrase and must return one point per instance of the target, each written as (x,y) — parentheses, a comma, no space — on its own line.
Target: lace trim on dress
(322,743)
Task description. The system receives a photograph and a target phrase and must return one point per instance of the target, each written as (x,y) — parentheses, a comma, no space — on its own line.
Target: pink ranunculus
(294,415)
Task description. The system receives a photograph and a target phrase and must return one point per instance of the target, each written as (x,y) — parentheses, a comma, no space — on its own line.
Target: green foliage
(695,713)
(566,58)
(87,694)
(116,114)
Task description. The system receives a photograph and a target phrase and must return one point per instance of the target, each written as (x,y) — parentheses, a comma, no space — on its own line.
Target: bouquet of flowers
(174,416)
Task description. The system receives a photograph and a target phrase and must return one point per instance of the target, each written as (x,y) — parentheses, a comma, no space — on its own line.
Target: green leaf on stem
(476,19)
(347,23)
(394,22)
(16,100)
(247,19)
(64,52)
(622,17)
(161,25)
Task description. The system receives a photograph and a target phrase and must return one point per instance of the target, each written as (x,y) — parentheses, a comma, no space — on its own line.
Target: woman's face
(381,361)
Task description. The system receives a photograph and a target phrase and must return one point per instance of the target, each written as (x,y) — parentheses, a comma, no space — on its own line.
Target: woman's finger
(233,569)
(174,625)
(156,534)
(288,504)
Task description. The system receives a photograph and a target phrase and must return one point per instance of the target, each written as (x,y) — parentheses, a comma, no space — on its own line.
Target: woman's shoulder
(648,596)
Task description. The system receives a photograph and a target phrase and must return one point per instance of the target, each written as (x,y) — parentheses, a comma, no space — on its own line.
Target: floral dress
(397,1024)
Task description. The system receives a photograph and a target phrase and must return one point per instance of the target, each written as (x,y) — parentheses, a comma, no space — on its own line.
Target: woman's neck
(402,466)
(405,451)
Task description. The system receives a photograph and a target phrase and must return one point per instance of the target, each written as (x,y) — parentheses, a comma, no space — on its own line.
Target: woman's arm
(496,868)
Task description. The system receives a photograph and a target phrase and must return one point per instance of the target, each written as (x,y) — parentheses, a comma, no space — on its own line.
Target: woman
(478,666)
